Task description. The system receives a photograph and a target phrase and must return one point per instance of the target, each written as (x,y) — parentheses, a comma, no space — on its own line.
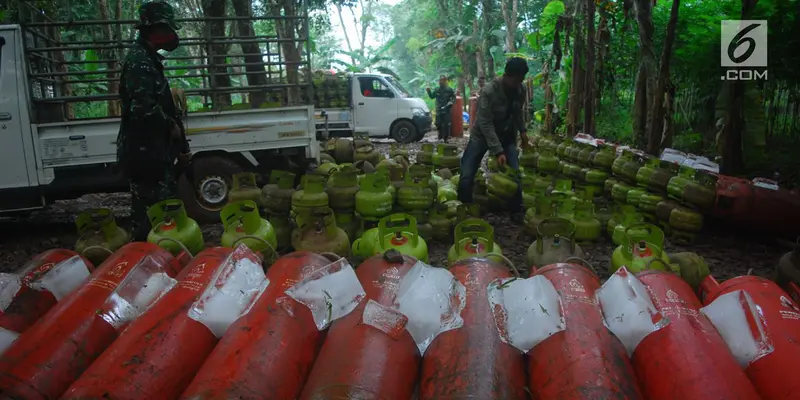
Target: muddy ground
(728,253)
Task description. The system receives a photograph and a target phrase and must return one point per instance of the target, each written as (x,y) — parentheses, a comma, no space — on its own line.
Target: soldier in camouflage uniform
(498,119)
(151,145)
(445,98)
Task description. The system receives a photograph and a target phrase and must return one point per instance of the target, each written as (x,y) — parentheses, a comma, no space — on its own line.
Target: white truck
(377,105)
(45,158)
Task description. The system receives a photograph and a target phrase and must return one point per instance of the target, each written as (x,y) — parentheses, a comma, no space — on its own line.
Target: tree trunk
(577,85)
(646,80)
(510,15)
(656,128)
(286,29)
(344,31)
(732,155)
(113,107)
(589,83)
(669,127)
(256,76)
(217,52)
(481,68)
(487,7)
(549,98)
(602,41)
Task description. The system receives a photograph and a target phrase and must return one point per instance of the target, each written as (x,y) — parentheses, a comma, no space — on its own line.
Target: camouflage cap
(157,12)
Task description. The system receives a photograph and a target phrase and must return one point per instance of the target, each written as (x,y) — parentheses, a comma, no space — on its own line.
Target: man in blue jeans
(499,118)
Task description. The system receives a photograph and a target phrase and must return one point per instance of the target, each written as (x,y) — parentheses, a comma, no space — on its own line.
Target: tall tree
(256,75)
(487,8)
(510,15)
(646,77)
(589,80)
(217,51)
(578,72)
(657,103)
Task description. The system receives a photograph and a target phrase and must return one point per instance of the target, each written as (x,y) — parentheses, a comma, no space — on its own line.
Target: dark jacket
(144,145)
(494,123)
(445,98)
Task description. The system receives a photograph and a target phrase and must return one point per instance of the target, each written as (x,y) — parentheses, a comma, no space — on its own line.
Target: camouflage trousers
(144,195)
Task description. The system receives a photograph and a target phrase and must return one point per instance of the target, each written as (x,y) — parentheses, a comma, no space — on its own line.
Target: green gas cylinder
(348,222)
(342,189)
(446,156)
(685,223)
(244,187)
(398,150)
(474,238)
(635,195)
(547,162)
(701,192)
(528,159)
(561,147)
(451,209)
(604,213)
(441,224)
(608,187)
(587,226)
(319,234)
(620,192)
(504,184)
(645,173)
(447,192)
(368,153)
(604,157)
(98,235)
(373,199)
(172,229)
(283,226)
(627,216)
(425,154)
(596,177)
(545,208)
(243,225)
(678,183)
(529,191)
(585,154)
(311,196)
(402,161)
(397,176)
(555,242)
(648,203)
(543,181)
(399,232)
(385,164)
(326,169)
(661,176)
(630,168)
(278,193)
(563,186)
(664,209)
(416,193)
(326,158)
(620,162)
(642,244)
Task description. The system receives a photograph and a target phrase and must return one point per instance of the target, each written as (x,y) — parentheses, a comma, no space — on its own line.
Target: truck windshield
(398,86)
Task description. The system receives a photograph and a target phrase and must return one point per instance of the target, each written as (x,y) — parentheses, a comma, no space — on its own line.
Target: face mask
(167,41)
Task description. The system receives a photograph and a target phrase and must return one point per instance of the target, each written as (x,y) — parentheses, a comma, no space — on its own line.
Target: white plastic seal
(741,324)
(10,284)
(63,278)
(330,292)
(628,309)
(526,311)
(139,290)
(235,286)
(432,299)
(385,319)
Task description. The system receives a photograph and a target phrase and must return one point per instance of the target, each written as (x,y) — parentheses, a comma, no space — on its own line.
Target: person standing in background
(151,139)
(445,98)
(481,84)
(498,119)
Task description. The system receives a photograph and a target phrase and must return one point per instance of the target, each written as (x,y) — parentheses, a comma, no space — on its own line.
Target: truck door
(13,163)
(375,105)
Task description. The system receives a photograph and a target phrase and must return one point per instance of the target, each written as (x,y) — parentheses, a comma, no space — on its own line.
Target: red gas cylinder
(775,326)
(278,335)
(473,111)
(687,359)
(358,361)
(158,354)
(734,198)
(456,113)
(472,361)
(57,349)
(28,304)
(559,366)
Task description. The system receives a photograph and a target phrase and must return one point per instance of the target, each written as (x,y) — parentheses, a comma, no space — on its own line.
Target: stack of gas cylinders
(678,192)
(233,323)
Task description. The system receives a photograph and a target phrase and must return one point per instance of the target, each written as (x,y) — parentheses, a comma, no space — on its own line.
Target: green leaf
(91,55)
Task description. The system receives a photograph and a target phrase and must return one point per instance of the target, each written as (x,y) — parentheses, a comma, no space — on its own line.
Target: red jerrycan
(56,350)
(761,325)
(473,361)
(36,287)
(358,360)
(558,367)
(278,336)
(158,354)
(682,356)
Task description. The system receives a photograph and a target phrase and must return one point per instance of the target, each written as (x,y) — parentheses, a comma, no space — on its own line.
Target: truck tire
(404,132)
(207,193)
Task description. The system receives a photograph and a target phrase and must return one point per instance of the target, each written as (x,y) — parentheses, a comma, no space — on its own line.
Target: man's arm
(433,93)
(486,123)
(140,81)
(518,117)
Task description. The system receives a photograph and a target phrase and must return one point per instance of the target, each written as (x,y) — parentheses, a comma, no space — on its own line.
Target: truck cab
(378,106)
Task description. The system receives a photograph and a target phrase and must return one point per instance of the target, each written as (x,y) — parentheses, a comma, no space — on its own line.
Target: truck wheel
(207,193)
(404,132)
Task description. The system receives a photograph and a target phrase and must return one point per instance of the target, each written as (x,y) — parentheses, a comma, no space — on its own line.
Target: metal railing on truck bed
(257,59)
